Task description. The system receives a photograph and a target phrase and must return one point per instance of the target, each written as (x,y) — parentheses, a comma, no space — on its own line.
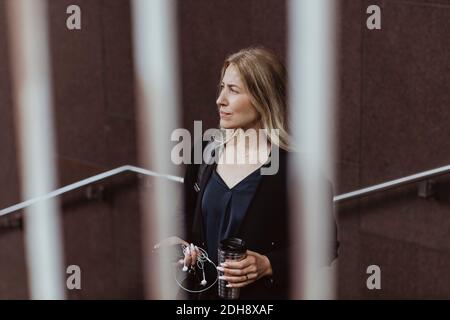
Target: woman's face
(235,108)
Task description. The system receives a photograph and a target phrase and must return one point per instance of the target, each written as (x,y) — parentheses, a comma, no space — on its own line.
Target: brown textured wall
(94,104)
(211,30)
(95,130)
(392,121)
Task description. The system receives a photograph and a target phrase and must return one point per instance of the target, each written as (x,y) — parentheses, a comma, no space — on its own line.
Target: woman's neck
(250,140)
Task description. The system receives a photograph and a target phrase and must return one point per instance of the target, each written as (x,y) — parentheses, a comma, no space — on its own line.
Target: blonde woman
(232,198)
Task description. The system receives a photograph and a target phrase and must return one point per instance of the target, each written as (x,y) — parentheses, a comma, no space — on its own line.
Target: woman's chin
(226,125)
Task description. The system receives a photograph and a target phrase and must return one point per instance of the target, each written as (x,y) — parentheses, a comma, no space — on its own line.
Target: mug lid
(233,245)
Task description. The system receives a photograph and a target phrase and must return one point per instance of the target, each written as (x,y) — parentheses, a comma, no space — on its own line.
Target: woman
(235,199)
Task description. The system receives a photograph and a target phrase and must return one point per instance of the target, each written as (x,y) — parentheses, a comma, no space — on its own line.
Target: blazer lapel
(198,217)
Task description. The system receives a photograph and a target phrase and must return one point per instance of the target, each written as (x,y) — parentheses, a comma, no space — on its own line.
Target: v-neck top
(224,208)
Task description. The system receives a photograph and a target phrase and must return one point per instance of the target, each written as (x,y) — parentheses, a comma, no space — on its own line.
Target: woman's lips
(224,114)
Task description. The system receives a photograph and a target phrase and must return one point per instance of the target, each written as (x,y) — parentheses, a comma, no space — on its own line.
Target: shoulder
(199,157)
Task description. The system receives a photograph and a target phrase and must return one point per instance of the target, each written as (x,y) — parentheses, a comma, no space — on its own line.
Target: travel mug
(230,249)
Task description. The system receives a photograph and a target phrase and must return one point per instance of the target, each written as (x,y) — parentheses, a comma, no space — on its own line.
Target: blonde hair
(264,77)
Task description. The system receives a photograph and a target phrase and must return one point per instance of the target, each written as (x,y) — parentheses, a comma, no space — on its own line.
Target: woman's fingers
(187,256)
(190,255)
(241,273)
(233,279)
(239,284)
(245,279)
(237,272)
(193,254)
(241,264)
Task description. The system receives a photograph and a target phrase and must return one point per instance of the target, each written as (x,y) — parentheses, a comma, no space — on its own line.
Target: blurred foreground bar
(27,24)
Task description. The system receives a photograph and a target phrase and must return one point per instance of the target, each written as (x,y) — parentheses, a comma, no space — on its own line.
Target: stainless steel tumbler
(230,249)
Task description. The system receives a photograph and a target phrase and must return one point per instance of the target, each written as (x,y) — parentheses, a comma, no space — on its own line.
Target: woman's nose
(221,100)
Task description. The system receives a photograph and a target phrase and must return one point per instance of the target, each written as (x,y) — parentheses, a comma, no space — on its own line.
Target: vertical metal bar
(156,80)
(27,23)
(311,54)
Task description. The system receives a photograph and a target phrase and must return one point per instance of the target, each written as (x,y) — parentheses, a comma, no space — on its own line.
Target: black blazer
(265,227)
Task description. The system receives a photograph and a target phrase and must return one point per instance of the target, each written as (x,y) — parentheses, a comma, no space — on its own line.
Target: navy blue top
(224,208)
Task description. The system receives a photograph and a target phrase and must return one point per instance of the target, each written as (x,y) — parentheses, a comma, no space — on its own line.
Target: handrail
(392,184)
(84,182)
(128,168)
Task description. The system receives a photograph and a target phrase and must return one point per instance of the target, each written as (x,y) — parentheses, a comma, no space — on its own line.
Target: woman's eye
(231,89)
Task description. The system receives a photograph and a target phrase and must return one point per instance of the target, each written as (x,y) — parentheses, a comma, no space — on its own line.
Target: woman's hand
(190,255)
(239,274)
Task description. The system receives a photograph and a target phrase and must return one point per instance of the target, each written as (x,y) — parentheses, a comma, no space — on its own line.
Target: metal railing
(421,176)
(85,182)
